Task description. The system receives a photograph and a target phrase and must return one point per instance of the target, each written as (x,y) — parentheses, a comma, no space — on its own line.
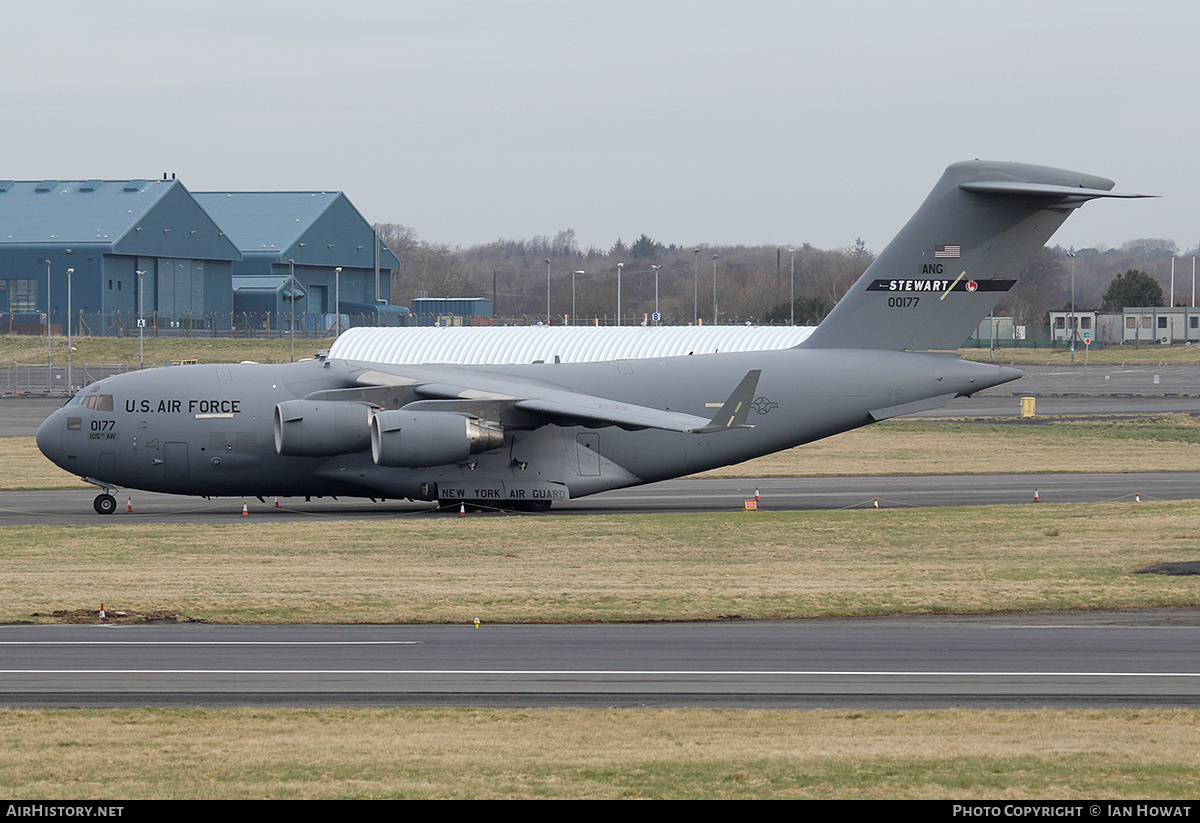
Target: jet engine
(413,439)
(321,428)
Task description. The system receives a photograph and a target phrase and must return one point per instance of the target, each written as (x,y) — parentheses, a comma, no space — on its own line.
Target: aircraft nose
(49,436)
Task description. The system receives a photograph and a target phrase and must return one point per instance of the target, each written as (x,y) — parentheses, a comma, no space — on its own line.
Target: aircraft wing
(561,405)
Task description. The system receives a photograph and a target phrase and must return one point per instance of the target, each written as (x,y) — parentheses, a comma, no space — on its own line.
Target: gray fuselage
(209,429)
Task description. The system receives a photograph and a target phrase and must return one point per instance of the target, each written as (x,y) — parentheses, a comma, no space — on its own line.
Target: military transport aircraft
(524,436)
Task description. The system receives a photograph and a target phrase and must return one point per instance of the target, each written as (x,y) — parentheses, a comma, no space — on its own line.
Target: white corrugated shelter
(504,345)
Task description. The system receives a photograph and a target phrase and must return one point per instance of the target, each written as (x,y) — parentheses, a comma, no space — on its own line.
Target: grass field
(21,349)
(608,754)
(748,565)
(1149,355)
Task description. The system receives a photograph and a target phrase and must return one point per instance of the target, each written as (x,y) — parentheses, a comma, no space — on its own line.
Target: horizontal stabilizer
(1067,194)
(957,257)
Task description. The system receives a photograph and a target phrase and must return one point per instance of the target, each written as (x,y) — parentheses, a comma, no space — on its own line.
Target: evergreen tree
(1133,288)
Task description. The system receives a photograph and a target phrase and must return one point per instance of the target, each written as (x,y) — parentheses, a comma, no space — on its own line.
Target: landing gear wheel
(537,505)
(104,504)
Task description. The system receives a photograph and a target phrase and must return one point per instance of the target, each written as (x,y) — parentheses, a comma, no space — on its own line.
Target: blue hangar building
(152,248)
(98,234)
(318,237)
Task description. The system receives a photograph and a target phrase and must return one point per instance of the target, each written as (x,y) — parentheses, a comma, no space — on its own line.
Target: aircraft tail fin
(956,257)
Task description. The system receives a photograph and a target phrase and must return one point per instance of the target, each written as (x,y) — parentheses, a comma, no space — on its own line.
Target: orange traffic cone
(462,509)
(277,502)
(876,503)
(1137,498)
(128,504)
(245,509)
(1036,498)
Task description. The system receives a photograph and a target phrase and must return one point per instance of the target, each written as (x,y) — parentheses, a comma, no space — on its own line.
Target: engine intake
(414,439)
(321,428)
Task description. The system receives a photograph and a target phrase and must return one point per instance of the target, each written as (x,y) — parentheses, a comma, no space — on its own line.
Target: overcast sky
(739,121)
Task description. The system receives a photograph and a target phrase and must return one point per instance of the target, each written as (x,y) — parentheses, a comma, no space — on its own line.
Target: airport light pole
(337,300)
(696,287)
(573,322)
(793,304)
(1071,320)
(49,367)
(547,291)
(992,334)
(70,382)
(619,267)
(141,322)
(656,268)
(292,300)
(714,290)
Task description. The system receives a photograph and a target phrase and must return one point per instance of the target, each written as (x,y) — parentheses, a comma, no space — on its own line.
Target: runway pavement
(1133,659)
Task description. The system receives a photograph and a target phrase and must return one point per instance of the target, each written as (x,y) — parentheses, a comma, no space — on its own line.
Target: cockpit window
(97,402)
(75,400)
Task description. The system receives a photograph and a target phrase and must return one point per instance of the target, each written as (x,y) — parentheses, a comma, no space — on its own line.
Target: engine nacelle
(321,428)
(414,439)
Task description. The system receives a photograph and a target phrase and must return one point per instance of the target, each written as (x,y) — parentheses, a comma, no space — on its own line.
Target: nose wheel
(104,504)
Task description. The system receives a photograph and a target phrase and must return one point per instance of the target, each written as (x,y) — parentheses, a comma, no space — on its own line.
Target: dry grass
(599,568)
(1146,354)
(1162,443)
(22,349)
(22,466)
(442,753)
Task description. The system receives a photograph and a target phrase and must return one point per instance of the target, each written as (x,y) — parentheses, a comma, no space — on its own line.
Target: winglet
(732,414)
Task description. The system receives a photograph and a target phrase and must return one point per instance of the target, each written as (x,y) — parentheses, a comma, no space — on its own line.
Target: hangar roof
(279,222)
(74,211)
(265,220)
(157,218)
(498,345)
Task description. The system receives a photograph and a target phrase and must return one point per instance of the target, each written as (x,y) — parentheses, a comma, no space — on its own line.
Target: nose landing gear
(104,503)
